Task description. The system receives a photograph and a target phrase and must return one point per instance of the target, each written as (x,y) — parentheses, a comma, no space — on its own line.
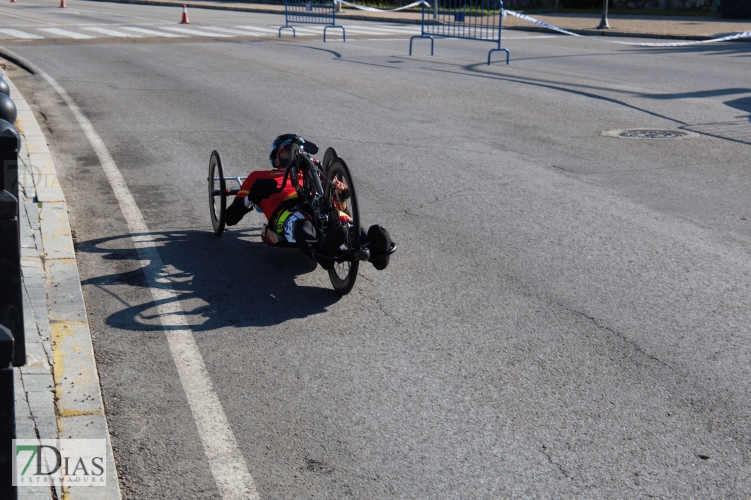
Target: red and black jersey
(272,201)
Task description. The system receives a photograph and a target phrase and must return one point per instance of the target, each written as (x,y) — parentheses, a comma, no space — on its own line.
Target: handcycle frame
(314,182)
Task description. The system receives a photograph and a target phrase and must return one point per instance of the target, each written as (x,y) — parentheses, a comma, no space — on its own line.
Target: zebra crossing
(158,31)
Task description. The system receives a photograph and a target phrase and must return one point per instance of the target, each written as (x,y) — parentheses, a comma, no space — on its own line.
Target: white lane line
(20,34)
(226,462)
(189,31)
(151,32)
(105,31)
(66,33)
(228,30)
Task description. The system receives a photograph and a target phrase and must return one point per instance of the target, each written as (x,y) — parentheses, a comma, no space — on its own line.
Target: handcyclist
(290,217)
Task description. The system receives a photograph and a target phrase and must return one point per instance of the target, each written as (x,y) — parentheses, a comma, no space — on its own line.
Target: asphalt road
(568,313)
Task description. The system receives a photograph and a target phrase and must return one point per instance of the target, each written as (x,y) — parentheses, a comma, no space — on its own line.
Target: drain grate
(638,133)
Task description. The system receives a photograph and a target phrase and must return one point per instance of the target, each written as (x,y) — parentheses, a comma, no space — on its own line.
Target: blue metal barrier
(310,12)
(468,19)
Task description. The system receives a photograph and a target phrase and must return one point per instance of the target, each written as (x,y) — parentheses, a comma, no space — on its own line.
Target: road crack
(625,339)
(548,455)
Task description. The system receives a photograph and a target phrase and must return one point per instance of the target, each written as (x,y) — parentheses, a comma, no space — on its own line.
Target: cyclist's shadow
(235,280)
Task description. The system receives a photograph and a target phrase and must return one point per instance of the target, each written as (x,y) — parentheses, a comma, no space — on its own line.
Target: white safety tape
(527,18)
(373,9)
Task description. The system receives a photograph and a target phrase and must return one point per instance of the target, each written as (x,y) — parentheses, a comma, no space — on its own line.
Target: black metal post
(11,300)
(604,21)
(7,416)
(10,143)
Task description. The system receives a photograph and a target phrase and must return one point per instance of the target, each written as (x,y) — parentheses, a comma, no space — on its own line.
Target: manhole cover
(645,133)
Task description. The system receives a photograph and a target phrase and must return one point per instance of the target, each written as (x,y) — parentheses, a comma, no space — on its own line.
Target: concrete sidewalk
(57,394)
(682,28)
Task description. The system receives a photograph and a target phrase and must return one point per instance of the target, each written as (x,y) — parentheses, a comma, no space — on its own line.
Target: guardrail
(309,12)
(466,19)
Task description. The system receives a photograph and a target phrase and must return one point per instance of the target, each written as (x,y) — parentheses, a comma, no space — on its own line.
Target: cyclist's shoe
(329,245)
(380,243)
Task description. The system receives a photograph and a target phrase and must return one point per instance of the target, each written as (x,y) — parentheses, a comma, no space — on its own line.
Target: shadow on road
(238,281)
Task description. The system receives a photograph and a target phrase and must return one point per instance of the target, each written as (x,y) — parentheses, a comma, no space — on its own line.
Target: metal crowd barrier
(309,12)
(467,19)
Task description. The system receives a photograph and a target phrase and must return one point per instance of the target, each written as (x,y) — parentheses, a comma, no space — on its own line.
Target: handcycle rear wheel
(217,189)
(344,274)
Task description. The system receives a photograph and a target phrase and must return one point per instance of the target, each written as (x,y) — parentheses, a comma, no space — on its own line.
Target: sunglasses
(282,156)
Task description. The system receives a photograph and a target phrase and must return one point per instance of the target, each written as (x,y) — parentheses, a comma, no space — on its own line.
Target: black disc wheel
(217,193)
(340,192)
(328,157)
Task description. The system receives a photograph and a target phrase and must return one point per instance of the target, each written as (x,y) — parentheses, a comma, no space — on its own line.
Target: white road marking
(372,31)
(192,32)
(66,33)
(226,462)
(105,31)
(20,34)
(228,30)
(27,18)
(527,37)
(151,32)
(260,30)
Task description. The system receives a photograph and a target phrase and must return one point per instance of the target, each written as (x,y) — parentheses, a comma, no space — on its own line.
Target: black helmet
(279,152)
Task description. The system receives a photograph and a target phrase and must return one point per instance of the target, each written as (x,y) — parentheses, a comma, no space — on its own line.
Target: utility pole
(604,22)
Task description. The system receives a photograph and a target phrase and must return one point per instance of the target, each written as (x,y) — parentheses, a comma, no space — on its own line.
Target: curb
(78,405)
(354,16)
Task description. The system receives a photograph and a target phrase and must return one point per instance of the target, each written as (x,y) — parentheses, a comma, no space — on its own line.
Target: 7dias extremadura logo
(64,462)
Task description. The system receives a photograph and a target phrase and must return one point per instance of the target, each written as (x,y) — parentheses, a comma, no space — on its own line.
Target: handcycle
(328,190)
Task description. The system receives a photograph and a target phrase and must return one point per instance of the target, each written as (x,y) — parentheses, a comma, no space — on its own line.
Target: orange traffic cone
(185,15)
(62,4)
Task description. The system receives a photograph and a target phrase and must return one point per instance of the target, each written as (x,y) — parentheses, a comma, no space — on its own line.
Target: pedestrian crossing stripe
(204,31)
(261,30)
(66,33)
(109,32)
(189,31)
(229,30)
(20,34)
(146,31)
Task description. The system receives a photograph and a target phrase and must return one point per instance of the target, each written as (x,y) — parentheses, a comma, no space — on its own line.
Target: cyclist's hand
(261,189)
(344,218)
(340,189)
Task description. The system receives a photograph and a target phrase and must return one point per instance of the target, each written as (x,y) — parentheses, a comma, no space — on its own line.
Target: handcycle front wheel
(344,274)
(217,193)
(328,157)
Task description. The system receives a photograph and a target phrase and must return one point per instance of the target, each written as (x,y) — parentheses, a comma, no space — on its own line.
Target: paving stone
(74,362)
(50,194)
(32,212)
(27,238)
(65,299)
(56,237)
(38,239)
(36,359)
(36,143)
(29,252)
(92,427)
(40,395)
